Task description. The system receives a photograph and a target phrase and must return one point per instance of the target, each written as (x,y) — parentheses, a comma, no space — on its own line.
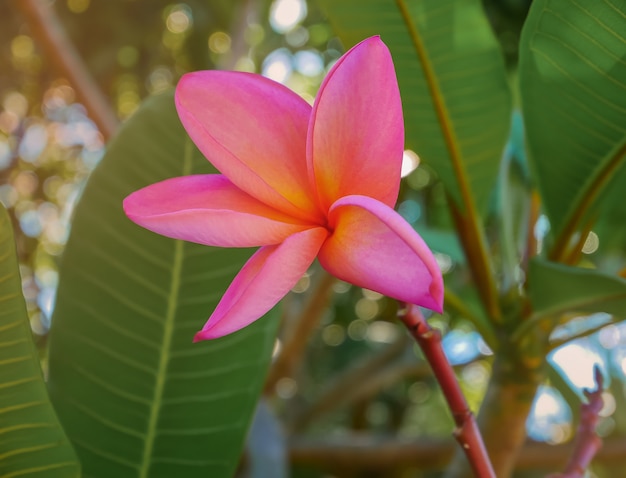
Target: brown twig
(299,332)
(587,442)
(49,34)
(466,432)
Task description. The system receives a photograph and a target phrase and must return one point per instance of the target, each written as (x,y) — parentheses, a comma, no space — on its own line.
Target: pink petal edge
(253,130)
(372,246)
(263,281)
(355,138)
(209,209)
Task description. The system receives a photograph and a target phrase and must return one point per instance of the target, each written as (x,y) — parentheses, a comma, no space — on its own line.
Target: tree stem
(466,432)
(504,410)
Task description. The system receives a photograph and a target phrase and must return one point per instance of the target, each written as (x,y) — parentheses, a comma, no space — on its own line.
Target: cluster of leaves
(135,398)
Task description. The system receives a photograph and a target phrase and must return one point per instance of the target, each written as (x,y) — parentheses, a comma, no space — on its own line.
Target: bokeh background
(137,48)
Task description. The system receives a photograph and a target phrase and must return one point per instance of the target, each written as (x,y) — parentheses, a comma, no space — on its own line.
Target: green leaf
(573,88)
(453,83)
(610,225)
(136,396)
(442,241)
(512,207)
(556,289)
(33,442)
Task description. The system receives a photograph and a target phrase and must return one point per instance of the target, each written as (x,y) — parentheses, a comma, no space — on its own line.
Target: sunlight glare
(550,417)
(592,242)
(15,103)
(179,20)
(277,66)
(219,42)
(357,330)
(333,335)
(410,162)
(286,14)
(309,63)
(577,361)
(366,309)
(609,405)
(278,347)
(33,143)
(78,6)
(286,388)
(546,405)
(382,332)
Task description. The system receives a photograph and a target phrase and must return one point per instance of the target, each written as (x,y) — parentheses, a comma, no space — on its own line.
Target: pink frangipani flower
(299,181)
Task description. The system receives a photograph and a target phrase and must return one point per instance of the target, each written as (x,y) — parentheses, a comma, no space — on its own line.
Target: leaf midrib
(465,214)
(168,332)
(587,197)
(439,105)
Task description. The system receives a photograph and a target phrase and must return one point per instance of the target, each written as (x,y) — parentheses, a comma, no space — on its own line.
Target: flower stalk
(466,432)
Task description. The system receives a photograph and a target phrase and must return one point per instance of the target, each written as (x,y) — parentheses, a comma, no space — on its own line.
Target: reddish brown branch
(59,50)
(587,442)
(466,432)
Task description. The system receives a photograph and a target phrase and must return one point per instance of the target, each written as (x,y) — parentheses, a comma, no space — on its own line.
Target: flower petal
(265,279)
(209,209)
(372,246)
(253,130)
(356,134)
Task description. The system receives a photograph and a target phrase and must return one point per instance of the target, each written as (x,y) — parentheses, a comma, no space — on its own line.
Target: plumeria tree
(523,169)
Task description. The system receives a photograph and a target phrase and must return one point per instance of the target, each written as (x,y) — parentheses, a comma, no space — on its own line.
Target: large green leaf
(556,289)
(558,293)
(136,396)
(573,87)
(32,442)
(452,79)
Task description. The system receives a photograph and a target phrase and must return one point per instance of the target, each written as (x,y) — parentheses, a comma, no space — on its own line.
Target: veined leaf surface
(136,396)
(573,86)
(33,442)
(556,289)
